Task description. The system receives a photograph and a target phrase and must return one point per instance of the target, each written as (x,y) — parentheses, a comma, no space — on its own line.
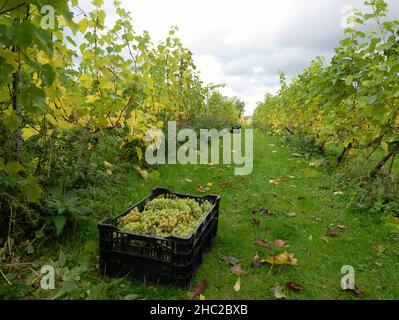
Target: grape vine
(352,103)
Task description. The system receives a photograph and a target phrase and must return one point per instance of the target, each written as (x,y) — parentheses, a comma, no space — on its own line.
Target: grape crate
(161,239)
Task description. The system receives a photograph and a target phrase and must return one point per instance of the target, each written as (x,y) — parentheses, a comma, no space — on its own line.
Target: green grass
(309,192)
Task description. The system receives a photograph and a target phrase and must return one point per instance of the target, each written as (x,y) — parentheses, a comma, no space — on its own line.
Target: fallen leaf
(356,291)
(262,243)
(338,193)
(202,189)
(290,214)
(294,286)
(256,261)
(209,184)
(256,222)
(202,297)
(226,183)
(189,180)
(282,259)
(333,232)
(233,201)
(378,248)
(230,259)
(359,293)
(278,293)
(317,219)
(237,286)
(236,269)
(274,181)
(199,289)
(279,243)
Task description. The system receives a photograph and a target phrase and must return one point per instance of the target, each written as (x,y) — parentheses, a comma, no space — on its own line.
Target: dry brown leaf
(226,183)
(236,269)
(294,286)
(256,261)
(256,222)
(202,189)
(378,248)
(199,289)
(279,243)
(262,243)
(333,232)
(357,292)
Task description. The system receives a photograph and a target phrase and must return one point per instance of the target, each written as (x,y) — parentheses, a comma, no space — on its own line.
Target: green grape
(164,217)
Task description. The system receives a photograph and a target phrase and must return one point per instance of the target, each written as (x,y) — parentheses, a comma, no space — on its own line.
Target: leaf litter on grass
(230,259)
(198,290)
(238,271)
(282,259)
(278,292)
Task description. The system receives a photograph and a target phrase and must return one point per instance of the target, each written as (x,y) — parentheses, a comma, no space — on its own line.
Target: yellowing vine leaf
(13,168)
(237,285)
(10,57)
(236,269)
(92,98)
(86,81)
(28,133)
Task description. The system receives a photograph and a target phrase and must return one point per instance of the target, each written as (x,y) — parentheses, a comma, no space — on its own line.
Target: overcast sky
(245,43)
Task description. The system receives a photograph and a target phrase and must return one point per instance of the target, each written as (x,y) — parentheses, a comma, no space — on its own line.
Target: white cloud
(244,43)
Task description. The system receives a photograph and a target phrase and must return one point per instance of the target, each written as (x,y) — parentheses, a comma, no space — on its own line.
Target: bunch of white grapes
(164,217)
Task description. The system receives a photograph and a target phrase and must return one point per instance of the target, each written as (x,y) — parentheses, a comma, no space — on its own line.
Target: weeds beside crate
(169,260)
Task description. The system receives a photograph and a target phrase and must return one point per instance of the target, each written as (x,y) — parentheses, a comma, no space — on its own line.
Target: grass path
(305,191)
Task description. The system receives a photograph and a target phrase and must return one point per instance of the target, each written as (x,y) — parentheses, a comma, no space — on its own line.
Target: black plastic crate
(158,260)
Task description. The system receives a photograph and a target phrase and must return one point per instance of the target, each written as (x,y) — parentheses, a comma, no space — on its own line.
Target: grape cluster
(164,217)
